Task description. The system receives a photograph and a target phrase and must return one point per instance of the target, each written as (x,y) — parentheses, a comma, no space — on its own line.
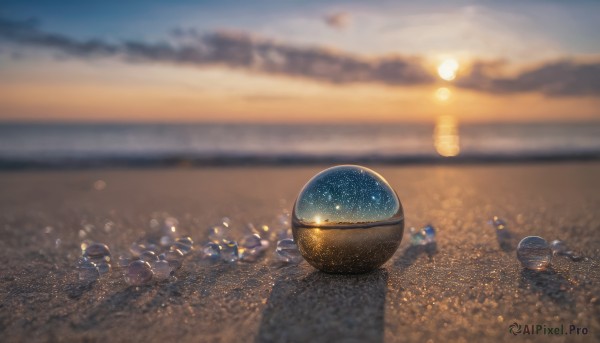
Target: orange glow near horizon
(116,92)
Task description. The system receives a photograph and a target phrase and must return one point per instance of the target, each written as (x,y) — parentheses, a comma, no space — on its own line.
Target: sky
(290,61)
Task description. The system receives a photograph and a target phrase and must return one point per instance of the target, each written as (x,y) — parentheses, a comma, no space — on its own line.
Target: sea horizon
(81,144)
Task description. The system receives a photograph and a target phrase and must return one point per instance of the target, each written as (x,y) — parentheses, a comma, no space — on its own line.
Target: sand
(466,288)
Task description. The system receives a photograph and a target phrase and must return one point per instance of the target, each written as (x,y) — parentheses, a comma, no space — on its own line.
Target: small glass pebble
(226,221)
(417,237)
(161,269)
(138,273)
(136,249)
(211,250)
(103,267)
(498,223)
(174,257)
(123,261)
(252,247)
(184,244)
(534,253)
(229,251)
(217,233)
(429,233)
(287,251)
(148,256)
(96,251)
(558,247)
(87,270)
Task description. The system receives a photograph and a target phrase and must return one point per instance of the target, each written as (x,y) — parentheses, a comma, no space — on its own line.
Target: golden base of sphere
(348,250)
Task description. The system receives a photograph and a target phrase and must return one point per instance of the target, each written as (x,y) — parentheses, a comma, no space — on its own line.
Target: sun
(447,69)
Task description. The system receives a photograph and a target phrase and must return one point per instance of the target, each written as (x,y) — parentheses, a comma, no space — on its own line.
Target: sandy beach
(466,288)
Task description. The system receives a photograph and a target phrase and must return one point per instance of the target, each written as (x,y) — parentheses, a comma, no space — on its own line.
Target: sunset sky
(299,61)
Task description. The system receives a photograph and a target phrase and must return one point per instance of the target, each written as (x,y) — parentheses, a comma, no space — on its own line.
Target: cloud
(558,78)
(240,50)
(339,20)
(231,49)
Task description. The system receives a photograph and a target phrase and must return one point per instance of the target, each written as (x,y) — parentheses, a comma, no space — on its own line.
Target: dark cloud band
(243,51)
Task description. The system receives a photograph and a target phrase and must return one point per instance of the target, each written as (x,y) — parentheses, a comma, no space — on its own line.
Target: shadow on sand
(550,285)
(326,308)
(412,253)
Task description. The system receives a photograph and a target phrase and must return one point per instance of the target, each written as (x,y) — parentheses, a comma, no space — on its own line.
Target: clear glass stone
(96,251)
(136,249)
(218,233)
(184,244)
(558,247)
(148,256)
(498,223)
(429,233)
(103,267)
(211,250)
(161,269)
(87,270)
(123,261)
(252,247)
(287,251)
(174,257)
(229,251)
(534,253)
(138,273)
(417,237)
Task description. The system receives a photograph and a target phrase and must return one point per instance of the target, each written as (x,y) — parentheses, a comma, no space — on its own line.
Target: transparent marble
(136,249)
(218,233)
(103,267)
(498,223)
(183,244)
(174,257)
(429,233)
(148,256)
(138,273)
(96,251)
(86,270)
(252,247)
(417,237)
(534,253)
(211,250)
(347,219)
(161,269)
(558,247)
(287,251)
(229,251)
(123,261)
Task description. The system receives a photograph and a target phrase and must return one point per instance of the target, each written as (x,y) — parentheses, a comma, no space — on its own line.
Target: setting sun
(447,69)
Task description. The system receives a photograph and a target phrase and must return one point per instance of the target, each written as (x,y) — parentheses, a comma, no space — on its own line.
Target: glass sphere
(534,253)
(347,219)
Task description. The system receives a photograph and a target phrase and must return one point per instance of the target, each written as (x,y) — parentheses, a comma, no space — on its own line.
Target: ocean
(93,145)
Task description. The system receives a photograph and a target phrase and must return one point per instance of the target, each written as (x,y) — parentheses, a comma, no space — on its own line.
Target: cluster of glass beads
(158,259)
(222,245)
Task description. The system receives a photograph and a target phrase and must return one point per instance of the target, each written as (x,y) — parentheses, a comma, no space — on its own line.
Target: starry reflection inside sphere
(347,219)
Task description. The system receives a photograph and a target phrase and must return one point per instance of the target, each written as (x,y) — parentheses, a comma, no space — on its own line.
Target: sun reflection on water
(445,137)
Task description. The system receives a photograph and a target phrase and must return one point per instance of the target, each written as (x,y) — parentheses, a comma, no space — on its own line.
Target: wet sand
(467,288)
